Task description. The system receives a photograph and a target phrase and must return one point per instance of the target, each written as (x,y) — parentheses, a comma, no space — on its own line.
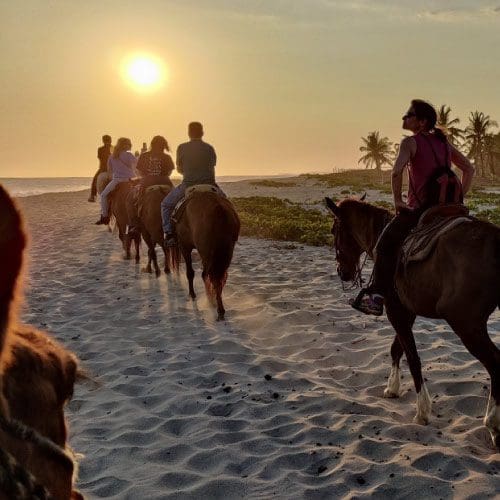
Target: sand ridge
(283,399)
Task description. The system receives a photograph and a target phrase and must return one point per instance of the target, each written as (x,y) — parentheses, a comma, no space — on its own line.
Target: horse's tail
(12,243)
(221,254)
(174,257)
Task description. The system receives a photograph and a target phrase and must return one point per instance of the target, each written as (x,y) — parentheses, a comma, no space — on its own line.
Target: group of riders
(426,154)
(195,161)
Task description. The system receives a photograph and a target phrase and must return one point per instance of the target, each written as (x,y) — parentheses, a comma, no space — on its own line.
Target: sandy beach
(281,400)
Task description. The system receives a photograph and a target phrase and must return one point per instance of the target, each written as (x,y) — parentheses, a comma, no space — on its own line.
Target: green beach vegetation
(284,220)
(271,183)
(278,219)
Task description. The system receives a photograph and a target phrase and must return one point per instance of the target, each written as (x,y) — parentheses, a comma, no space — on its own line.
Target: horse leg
(137,243)
(153,257)
(189,271)
(477,341)
(166,269)
(402,321)
(149,243)
(220,307)
(393,383)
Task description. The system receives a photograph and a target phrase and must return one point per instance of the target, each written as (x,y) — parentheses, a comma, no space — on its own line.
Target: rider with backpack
(428,156)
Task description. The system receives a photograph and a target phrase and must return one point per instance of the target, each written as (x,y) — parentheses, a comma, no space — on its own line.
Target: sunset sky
(282,86)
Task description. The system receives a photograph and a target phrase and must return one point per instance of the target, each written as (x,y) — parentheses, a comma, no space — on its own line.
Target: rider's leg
(93,187)
(167,206)
(370,300)
(104,201)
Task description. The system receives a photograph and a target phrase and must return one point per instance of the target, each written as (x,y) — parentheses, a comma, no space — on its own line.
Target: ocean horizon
(21,187)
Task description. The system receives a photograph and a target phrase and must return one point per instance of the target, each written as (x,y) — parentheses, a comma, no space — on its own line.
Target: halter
(357,280)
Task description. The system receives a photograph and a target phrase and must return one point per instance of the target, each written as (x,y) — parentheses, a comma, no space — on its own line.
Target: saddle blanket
(422,240)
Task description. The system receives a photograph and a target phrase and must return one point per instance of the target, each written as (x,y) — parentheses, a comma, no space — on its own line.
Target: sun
(144,72)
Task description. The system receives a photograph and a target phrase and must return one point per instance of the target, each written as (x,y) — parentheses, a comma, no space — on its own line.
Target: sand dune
(283,399)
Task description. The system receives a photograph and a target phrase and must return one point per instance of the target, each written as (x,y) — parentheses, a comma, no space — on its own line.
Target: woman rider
(154,167)
(121,167)
(424,152)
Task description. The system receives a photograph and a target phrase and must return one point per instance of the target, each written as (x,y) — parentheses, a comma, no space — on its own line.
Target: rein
(357,281)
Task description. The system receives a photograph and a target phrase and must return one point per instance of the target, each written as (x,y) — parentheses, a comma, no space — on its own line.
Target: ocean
(21,187)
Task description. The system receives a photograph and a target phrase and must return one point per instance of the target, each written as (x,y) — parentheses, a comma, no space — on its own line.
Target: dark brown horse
(37,376)
(210,224)
(118,209)
(151,226)
(459,282)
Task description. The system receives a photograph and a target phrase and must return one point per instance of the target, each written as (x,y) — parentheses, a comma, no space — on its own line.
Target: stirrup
(170,241)
(368,303)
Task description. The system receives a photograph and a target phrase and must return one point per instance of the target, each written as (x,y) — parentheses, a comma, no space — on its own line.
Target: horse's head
(347,250)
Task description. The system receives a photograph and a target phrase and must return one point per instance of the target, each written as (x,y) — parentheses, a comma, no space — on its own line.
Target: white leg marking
(492,420)
(392,389)
(424,405)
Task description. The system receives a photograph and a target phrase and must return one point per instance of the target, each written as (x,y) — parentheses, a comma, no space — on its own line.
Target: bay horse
(151,225)
(210,224)
(118,209)
(458,282)
(37,376)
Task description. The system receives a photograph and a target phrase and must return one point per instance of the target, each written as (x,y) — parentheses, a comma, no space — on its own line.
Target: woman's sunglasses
(409,115)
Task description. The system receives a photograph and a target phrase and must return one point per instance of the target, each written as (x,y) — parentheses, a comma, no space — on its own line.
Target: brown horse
(458,282)
(151,226)
(210,224)
(36,380)
(118,209)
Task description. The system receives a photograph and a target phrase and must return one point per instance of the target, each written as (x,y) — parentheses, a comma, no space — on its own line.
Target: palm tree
(378,150)
(449,126)
(476,134)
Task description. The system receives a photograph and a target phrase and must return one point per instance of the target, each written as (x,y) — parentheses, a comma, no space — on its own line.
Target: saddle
(433,223)
(190,192)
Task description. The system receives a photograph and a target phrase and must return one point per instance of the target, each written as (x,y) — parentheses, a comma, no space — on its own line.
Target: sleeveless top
(423,164)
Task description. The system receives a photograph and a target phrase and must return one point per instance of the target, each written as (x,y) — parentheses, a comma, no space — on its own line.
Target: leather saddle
(433,223)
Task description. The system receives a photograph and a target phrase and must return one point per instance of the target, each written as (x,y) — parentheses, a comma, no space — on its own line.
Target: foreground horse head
(457,282)
(210,224)
(36,380)
(151,226)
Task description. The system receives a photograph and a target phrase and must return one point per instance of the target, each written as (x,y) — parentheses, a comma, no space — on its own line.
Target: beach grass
(280,219)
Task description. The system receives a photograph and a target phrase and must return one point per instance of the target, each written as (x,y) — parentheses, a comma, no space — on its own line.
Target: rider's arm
(406,151)
(465,166)
(178,161)
(141,166)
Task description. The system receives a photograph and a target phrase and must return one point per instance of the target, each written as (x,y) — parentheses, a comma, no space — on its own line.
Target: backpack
(443,186)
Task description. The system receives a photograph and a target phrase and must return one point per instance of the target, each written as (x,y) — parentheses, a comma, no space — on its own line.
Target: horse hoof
(390,394)
(419,420)
(220,317)
(157,273)
(146,270)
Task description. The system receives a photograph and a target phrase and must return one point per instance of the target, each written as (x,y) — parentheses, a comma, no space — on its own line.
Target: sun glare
(144,73)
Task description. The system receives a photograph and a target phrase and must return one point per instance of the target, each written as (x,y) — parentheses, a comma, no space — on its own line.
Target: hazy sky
(280,85)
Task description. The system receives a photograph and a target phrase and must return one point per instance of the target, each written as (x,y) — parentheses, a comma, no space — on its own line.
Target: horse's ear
(363,198)
(330,204)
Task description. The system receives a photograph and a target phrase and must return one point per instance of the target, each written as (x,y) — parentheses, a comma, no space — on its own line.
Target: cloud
(481,14)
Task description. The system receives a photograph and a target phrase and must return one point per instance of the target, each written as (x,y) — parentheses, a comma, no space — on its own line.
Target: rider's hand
(400,206)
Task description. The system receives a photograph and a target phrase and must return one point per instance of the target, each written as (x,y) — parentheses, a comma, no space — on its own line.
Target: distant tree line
(478,140)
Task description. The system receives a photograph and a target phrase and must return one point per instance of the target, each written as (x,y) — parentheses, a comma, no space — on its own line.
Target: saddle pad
(203,188)
(421,241)
(190,191)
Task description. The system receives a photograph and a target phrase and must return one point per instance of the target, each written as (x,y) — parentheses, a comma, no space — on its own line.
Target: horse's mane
(370,218)
(363,208)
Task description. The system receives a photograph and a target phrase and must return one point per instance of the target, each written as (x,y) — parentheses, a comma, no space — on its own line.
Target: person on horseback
(196,162)
(103,154)
(154,168)
(121,167)
(424,154)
